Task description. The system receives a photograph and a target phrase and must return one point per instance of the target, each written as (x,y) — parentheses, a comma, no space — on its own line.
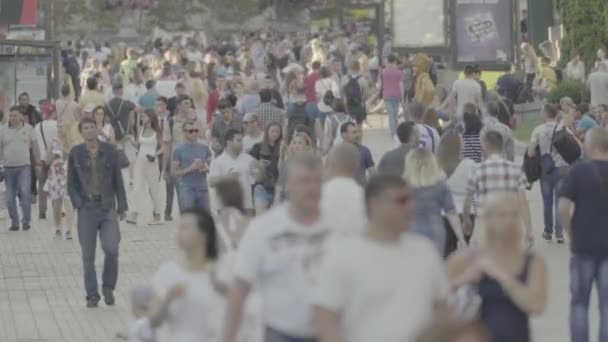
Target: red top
(309,84)
(214,99)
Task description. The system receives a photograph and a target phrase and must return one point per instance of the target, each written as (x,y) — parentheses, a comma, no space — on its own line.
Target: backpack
(338,126)
(298,116)
(352,91)
(329,97)
(119,130)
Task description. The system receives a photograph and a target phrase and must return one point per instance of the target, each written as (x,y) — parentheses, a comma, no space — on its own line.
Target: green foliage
(575,90)
(586,28)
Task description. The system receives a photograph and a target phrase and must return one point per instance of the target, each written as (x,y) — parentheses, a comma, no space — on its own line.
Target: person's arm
(234,309)
(36,152)
(73,183)
(215,174)
(329,325)
(533,144)
(159,310)
(510,148)
(530,297)
(119,187)
(526,216)
(461,269)
(564,214)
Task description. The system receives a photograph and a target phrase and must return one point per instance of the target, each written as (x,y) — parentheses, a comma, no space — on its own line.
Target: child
(141,330)
(56,187)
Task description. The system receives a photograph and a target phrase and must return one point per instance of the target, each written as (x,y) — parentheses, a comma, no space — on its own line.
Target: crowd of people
(284,215)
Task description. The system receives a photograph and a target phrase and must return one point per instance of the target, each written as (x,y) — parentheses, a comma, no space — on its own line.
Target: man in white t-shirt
(465,91)
(233,162)
(342,203)
(428,136)
(46,136)
(373,286)
(280,253)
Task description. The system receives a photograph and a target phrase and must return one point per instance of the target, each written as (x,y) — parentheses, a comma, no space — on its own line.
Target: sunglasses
(192,131)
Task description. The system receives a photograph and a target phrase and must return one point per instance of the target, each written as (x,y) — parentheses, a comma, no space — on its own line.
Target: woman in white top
(146,171)
(457,170)
(199,95)
(186,299)
(322,86)
(530,62)
(106,132)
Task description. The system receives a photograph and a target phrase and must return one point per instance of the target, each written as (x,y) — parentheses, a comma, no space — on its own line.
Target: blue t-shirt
(586,185)
(365,162)
(184,155)
(586,123)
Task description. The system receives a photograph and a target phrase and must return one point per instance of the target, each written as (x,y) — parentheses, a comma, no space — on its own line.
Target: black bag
(298,116)
(532,166)
(328,98)
(119,130)
(352,91)
(123,161)
(547,165)
(566,145)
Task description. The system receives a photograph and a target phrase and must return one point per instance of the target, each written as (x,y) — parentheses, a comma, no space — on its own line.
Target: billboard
(483,32)
(418,24)
(18,12)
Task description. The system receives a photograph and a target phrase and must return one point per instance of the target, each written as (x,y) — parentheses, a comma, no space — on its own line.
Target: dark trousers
(585,271)
(93,220)
(42,195)
(451,242)
(272,335)
(169,186)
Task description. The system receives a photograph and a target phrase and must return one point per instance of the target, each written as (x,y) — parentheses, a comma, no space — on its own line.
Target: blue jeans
(189,197)
(549,187)
(262,197)
(584,271)
(312,110)
(392,108)
(93,219)
(18,182)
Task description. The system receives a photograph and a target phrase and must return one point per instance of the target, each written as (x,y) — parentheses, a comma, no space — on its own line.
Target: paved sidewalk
(42,296)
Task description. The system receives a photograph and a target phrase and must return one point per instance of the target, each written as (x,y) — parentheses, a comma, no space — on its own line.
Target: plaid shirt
(267,113)
(492,124)
(495,175)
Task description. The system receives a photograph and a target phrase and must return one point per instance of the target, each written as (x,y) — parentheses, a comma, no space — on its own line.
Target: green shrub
(575,90)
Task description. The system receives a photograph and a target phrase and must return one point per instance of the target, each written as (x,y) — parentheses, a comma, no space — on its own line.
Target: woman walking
(106,132)
(146,172)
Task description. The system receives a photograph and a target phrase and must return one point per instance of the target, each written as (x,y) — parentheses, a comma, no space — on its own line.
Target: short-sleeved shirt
(429,137)
(393,161)
(15,143)
(598,85)
(586,185)
(542,136)
(366,161)
(220,128)
(309,84)
(586,123)
(184,155)
(495,175)
(174,134)
(267,113)
(467,91)
(492,124)
(392,77)
(225,164)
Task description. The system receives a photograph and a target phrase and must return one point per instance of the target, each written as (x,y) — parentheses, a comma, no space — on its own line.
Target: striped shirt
(471,147)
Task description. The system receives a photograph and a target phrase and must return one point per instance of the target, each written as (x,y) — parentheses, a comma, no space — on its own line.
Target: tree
(586,28)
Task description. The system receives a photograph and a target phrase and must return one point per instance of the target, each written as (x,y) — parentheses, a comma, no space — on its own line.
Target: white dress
(251,325)
(146,182)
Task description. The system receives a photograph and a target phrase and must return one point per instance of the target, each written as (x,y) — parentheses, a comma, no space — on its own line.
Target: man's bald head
(596,141)
(343,159)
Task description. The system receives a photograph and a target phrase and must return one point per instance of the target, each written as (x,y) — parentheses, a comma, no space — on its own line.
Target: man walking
(394,161)
(491,123)
(583,213)
(190,165)
(392,92)
(280,253)
(268,112)
(365,279)
(97,191)
(351,133)
(19,150)
(429,137)
(46,134)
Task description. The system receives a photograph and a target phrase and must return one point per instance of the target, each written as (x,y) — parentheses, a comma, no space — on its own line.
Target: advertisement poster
(483,31)
(18,12)
(418,24)
(360,20)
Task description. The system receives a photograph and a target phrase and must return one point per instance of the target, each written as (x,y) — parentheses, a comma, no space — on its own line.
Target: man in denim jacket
(97,191)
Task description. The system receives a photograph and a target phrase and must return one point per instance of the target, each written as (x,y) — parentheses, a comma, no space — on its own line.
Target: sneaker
(68,235)
(27,227)
(14,228)
(108,297)
(547,237)
(155,222)
(560,240)
(92,302)
(131,221)
(168,217)
(42,216)
(58,233)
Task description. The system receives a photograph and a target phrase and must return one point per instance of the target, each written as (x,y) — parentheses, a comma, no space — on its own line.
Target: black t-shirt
(587,187)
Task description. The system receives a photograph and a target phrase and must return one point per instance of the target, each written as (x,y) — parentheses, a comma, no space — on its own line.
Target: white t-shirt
(321,87)
(429,137)
(467,91)
(191,318)
(343,205)
(384,292)
(281,257)
(458,182)
(49,127)
(249,141)
(224,165)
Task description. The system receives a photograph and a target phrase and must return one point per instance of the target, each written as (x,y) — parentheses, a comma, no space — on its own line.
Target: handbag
(123,161)
(547,165)
(532,166)
(566,145)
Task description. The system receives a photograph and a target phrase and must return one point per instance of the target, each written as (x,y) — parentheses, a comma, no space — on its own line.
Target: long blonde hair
(198,93)
(421,168)
(449,152)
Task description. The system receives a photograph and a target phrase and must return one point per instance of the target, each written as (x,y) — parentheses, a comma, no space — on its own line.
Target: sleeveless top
(504,320)
(147,145)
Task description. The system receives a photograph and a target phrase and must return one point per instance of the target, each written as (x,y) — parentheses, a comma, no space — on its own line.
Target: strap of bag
(42,133)
(430,132)
(552,137)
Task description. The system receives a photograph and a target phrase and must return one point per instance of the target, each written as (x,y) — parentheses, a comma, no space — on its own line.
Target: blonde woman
(511,281)
(301,142)
(457,170)
(531,63)
(199,95)
(431,197)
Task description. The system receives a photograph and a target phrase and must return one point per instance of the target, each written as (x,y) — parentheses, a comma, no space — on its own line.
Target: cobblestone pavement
(41,290)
